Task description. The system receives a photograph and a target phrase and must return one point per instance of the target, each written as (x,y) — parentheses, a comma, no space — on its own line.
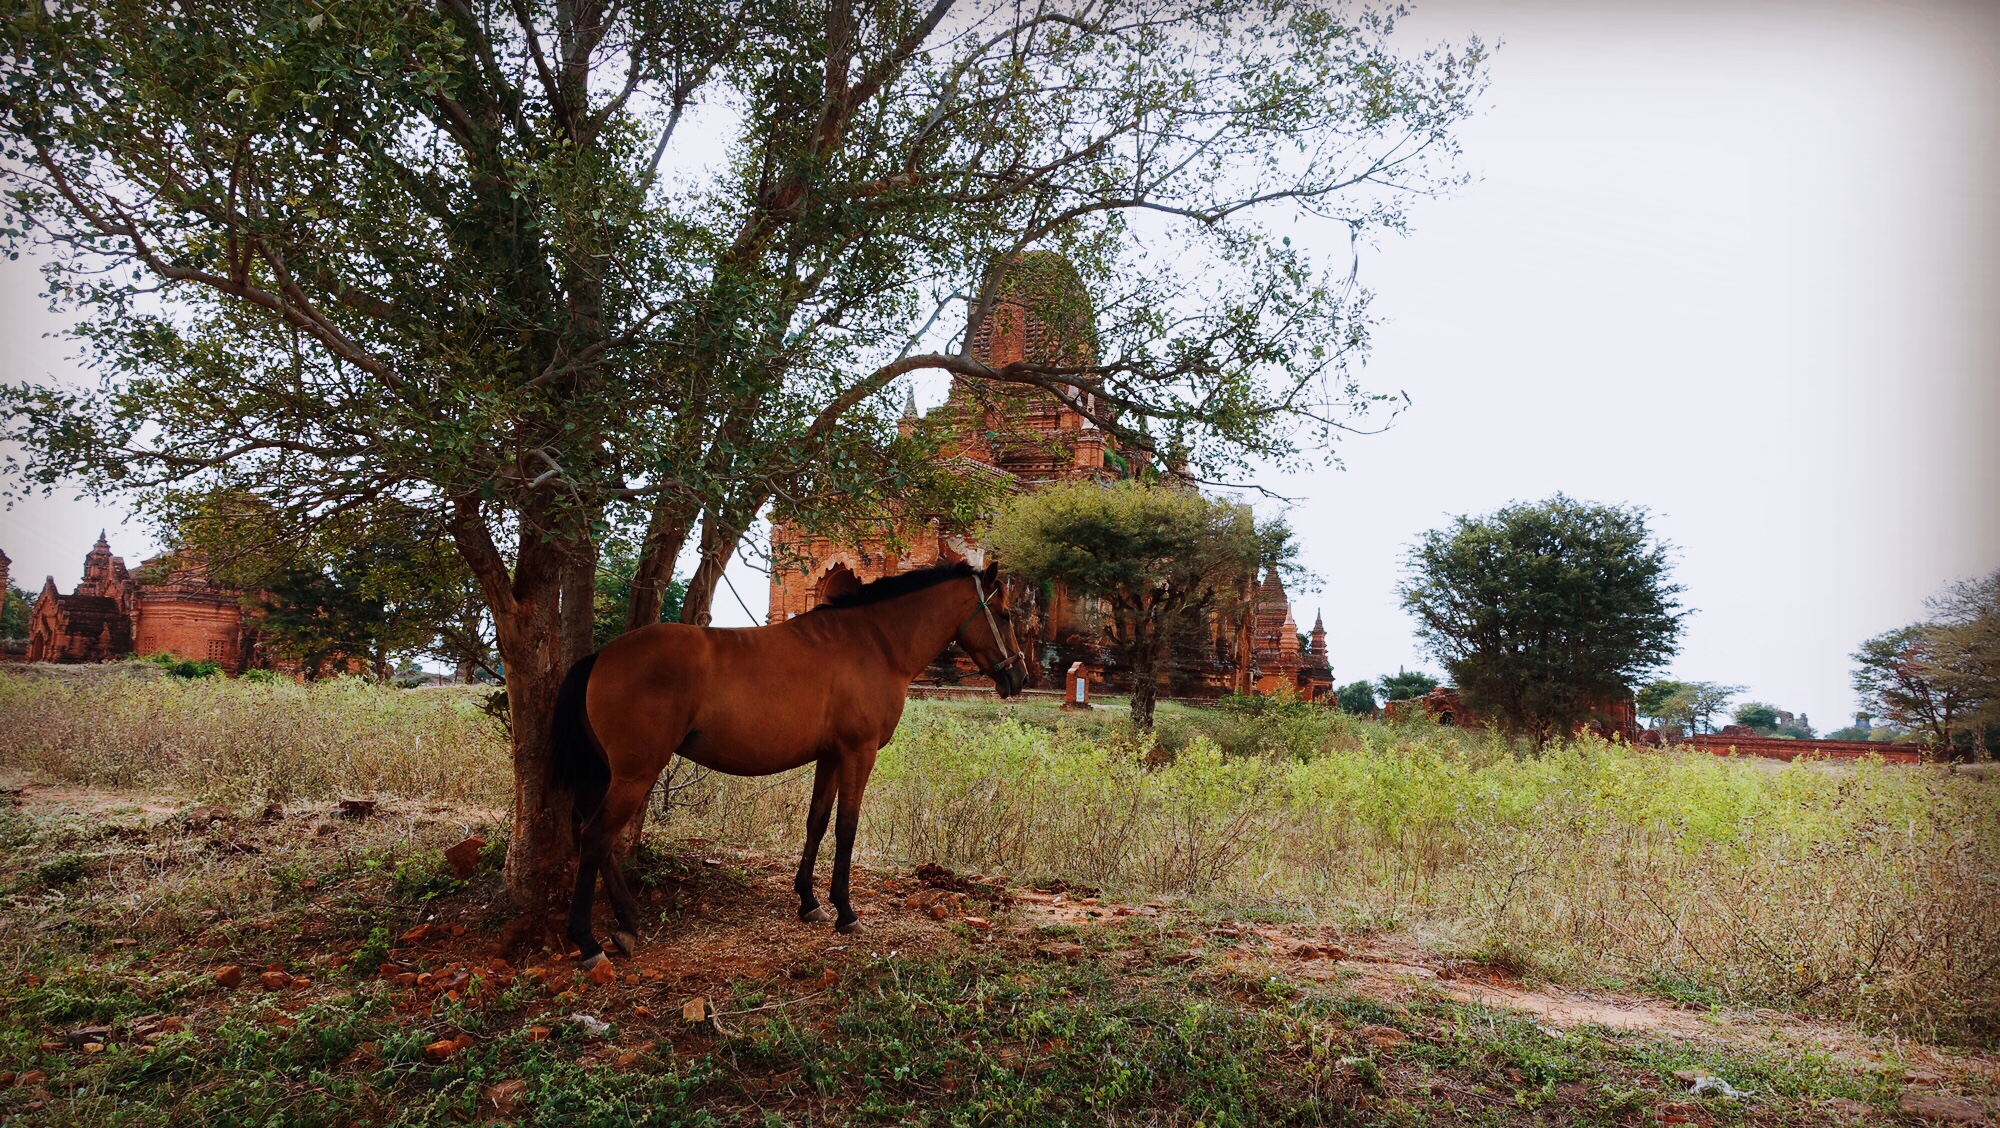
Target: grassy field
(370,994)
(1865,892)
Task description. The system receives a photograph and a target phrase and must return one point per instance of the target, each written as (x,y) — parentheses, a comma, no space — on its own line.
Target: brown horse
(825,688)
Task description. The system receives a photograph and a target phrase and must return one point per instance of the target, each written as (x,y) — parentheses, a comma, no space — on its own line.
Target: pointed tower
(908,423)
(1318,648)
(97,568)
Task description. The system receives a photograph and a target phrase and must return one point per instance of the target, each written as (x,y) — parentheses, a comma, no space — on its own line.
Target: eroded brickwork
(169,606)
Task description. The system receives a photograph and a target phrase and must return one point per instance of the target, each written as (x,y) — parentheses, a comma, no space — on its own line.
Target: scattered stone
(538,1033)
(695,1010)
(1061,951)
(591,1025)
(1847,1109)
(442,1049)
(939,910)
(200,818)
(828,978)
(979,923)
(507,1096)
(274,811)
(93,1047)
(6,1078)
(1382,1037)
(711,863)
(404,979)
(229,976)
(628,1059)
(1689,1076)
(357,808)
(602,972)
(124,942)
(31,1077)
(85,1035)
(418,934)
(1943,1108)
(642,1012)
(274,980)
(1720,1088)
(1920,1077)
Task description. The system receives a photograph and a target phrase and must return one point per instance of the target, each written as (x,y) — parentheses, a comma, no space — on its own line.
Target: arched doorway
(838,581)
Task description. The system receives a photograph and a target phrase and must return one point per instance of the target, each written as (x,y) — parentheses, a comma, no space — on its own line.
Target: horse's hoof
(819,915)
(625,942)
(847,927)
(591,961)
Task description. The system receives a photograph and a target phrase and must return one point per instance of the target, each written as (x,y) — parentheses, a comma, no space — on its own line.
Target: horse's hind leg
(810,909)
(599,831)
(618,890)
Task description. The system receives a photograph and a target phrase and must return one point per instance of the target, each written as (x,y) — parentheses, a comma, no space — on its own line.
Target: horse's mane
(889,587)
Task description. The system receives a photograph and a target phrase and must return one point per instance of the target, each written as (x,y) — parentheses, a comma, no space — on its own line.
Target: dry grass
(237,742)
(1863,891)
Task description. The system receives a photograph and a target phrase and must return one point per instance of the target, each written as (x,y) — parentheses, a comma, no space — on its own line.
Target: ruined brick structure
(1023,439)
(169,605)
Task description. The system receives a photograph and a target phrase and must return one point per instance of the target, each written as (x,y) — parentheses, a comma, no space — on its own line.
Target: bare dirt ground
(723,944)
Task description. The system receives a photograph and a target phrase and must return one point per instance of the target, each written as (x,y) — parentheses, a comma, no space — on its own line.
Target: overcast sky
(1732,262)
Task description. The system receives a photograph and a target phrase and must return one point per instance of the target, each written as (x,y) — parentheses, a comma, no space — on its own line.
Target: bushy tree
(1158,556)
(1404,685)
(1941,677)
(457,256)
(1688,706)
(1357,698)
(368,585)
(1543,613)
(15,607)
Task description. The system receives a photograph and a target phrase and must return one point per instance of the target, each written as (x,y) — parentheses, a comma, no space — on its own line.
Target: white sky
(1733,262)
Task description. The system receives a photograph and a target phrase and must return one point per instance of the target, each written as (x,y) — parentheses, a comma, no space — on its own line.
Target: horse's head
(988,635)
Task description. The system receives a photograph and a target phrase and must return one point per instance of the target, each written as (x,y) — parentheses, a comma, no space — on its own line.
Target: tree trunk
(666,532)
(539,853)
(526,605)
(718,541)
(579,604)
(1145,676)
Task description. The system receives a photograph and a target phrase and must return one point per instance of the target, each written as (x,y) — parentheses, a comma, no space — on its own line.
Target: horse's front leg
(825,776)
(854,771)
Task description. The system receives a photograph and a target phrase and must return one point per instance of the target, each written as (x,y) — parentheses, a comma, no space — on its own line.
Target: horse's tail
(575,764)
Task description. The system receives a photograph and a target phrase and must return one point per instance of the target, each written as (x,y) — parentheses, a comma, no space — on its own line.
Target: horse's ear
(992,573)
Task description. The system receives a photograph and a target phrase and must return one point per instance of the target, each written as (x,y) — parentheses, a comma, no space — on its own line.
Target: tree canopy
(1687,706)
(1357,698)
(1157,556)
(463,256)
(1405,684)
(1543,614)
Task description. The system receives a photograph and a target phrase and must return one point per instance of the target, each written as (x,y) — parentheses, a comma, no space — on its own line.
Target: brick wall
(1777,748)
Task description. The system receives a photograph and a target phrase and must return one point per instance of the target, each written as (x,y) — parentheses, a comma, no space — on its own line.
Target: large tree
(460,255)
(1158,556)
(1940,677)
(1544,613)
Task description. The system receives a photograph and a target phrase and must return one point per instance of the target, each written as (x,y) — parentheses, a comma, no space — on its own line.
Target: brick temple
(1023,439)
(168,605)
